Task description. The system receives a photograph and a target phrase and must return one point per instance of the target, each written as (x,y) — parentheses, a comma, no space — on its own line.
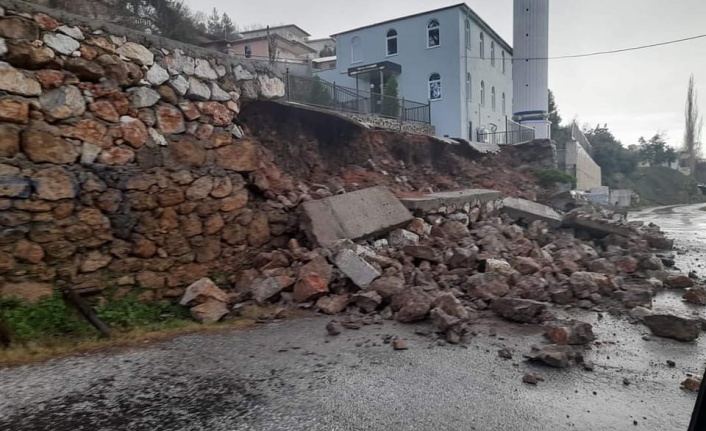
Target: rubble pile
(450,270)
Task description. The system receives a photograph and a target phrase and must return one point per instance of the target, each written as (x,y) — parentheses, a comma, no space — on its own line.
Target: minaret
(530,68)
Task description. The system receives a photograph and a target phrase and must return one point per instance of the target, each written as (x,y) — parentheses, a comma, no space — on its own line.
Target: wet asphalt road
(291,376)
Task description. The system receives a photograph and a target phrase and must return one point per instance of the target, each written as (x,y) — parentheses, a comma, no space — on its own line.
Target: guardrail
(324,94)
(514,133)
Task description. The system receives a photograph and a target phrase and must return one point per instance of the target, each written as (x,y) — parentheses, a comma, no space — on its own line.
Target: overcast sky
(636,93)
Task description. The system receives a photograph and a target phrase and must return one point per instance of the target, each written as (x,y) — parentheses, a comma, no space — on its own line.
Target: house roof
(324,59)
(298,44)
(299,29)
(474,16)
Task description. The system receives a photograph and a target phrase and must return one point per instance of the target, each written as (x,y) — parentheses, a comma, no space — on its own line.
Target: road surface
(292,376)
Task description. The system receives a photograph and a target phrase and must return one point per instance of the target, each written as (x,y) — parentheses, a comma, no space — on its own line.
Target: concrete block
(433,202)
(356,268)
(530,211)
(357,215)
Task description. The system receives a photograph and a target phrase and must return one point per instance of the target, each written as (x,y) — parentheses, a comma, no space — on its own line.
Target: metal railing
(324,94)
(513,134)
(578,136)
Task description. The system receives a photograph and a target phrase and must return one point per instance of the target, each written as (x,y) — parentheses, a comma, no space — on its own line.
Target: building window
(482,45)
(468,34)
(503,103)
(391,42)
(492,53)
(355,50)
(482,93)
(248,51)
(434,86)
(503,60)
(492,98)
(433,34)
(468,86)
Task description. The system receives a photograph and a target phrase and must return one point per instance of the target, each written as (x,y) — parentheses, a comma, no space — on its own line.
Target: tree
(227,27)
(169,18)
(271,45)
(610,154)
(319,94)
(213,24)
(390,103)
(328,51)
(560,134)
(693,126)
(656,152)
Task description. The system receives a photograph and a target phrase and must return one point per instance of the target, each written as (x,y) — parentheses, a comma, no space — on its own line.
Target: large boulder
(411,305)
(203,291)
(518,310)
(674,327)
(570,332)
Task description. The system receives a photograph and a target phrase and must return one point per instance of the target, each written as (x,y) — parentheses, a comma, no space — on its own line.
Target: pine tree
(227,26)
(214,24)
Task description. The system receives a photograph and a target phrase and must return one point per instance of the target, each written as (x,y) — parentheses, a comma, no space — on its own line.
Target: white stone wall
(580,163)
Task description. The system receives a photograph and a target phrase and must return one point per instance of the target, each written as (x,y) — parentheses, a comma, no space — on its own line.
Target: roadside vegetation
(51,327)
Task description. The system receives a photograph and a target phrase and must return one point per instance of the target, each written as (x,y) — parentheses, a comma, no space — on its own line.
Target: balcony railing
(324,94)
(514,133)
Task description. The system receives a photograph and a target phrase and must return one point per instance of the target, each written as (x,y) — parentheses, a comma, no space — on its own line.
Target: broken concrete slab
(357,215)
(528,211)
(434,201)
(601,228)
(356,268)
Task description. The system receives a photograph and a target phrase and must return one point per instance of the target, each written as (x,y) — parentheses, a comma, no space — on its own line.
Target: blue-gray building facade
(449,57)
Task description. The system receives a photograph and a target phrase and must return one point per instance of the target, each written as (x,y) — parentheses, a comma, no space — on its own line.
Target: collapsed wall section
(122,159)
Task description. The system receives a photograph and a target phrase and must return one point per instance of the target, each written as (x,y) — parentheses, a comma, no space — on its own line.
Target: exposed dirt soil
(325,149)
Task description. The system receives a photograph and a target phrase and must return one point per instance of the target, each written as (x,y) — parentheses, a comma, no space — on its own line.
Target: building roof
(293,43)
(299,29)
(321,39)
(324,59)
(474,16)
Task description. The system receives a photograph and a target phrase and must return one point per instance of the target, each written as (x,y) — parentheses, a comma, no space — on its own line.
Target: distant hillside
(661,186)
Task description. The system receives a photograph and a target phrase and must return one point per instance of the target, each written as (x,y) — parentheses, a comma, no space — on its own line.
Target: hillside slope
(659,185)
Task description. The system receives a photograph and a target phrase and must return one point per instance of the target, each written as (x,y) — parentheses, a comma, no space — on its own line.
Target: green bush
(319,94)
(48,318)
(52,317)
(550,177)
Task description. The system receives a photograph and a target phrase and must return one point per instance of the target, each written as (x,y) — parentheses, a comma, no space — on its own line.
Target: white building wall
(531,73)
(451,59)
(482,71)
(580,163)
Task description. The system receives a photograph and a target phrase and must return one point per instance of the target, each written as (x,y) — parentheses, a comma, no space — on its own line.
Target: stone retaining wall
(122,160)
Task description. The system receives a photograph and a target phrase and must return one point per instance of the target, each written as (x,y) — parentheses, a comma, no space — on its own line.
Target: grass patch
(53,328)
(550,177)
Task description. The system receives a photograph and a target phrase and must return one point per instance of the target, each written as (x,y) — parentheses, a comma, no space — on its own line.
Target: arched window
(355,50)
(503,60)
(482,45)
(482,93)
(391,42)
(492,53)
(433,35)
(434,86)
(468,86)
(468,34)
(504,103)
(492,98)
(248,51)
